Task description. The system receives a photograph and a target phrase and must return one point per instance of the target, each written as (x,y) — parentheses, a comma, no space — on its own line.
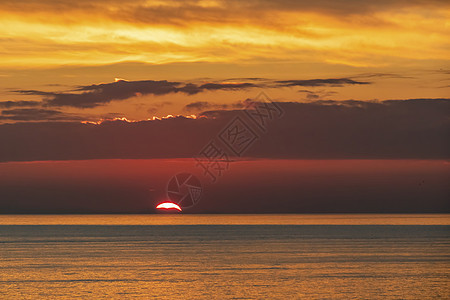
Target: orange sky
(82,80)
(252,186)
(400,47)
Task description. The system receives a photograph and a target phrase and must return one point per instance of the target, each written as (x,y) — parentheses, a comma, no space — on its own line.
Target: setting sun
(168,206)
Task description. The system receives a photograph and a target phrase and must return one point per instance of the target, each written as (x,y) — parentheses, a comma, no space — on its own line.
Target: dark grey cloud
(33,92)
(247,79)
(316,95)
(158,105)
(227,86)
(414,128)
(37,114)
(29,114)
(192,89)
(197,106)
(94,95)
(204,105)
(9,104)
(320,82)
(382,75)
(99,94)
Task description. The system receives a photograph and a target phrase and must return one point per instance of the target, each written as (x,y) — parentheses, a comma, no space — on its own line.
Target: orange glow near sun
(168,205)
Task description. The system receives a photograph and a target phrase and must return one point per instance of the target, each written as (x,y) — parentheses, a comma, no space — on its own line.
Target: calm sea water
(225,257)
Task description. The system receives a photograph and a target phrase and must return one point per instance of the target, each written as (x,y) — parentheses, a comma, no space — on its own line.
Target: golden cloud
(52,33)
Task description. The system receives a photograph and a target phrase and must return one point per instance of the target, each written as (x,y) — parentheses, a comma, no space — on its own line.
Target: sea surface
(225,257)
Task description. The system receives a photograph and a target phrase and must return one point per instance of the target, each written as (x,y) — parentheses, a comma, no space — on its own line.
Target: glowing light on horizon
(168,205)
(126,120)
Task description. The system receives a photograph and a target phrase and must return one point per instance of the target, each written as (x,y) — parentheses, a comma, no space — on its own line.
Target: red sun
(168,206)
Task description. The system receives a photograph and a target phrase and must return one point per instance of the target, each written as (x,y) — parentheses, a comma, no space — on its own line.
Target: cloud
(98,94)
(156,106)
(232,11)
(9,104)
(37,33)
(37,114)
(29,114)
(204,105)
(227,86)
(192,89)
(34,92)
(316,95)
(320,82)
(94,95)
(382,75)
(197,106)
(413,128)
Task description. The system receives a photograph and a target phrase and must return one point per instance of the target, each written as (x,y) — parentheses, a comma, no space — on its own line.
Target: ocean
(225,257)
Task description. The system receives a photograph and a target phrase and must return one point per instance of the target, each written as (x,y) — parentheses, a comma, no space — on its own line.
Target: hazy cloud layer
(162,12)
(416,128)
(55,33)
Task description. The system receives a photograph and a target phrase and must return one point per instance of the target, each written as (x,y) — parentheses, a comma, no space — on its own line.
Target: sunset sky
(388,49)
(144,79)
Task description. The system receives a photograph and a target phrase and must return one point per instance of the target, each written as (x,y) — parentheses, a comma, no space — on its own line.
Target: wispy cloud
(316,95)
(336,82)
(204,105)
(230,11)
(94,95)
(9,104)
(36,114)
(99,94)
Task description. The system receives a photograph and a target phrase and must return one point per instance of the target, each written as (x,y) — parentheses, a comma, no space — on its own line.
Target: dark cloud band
(94,95)
(416,128)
